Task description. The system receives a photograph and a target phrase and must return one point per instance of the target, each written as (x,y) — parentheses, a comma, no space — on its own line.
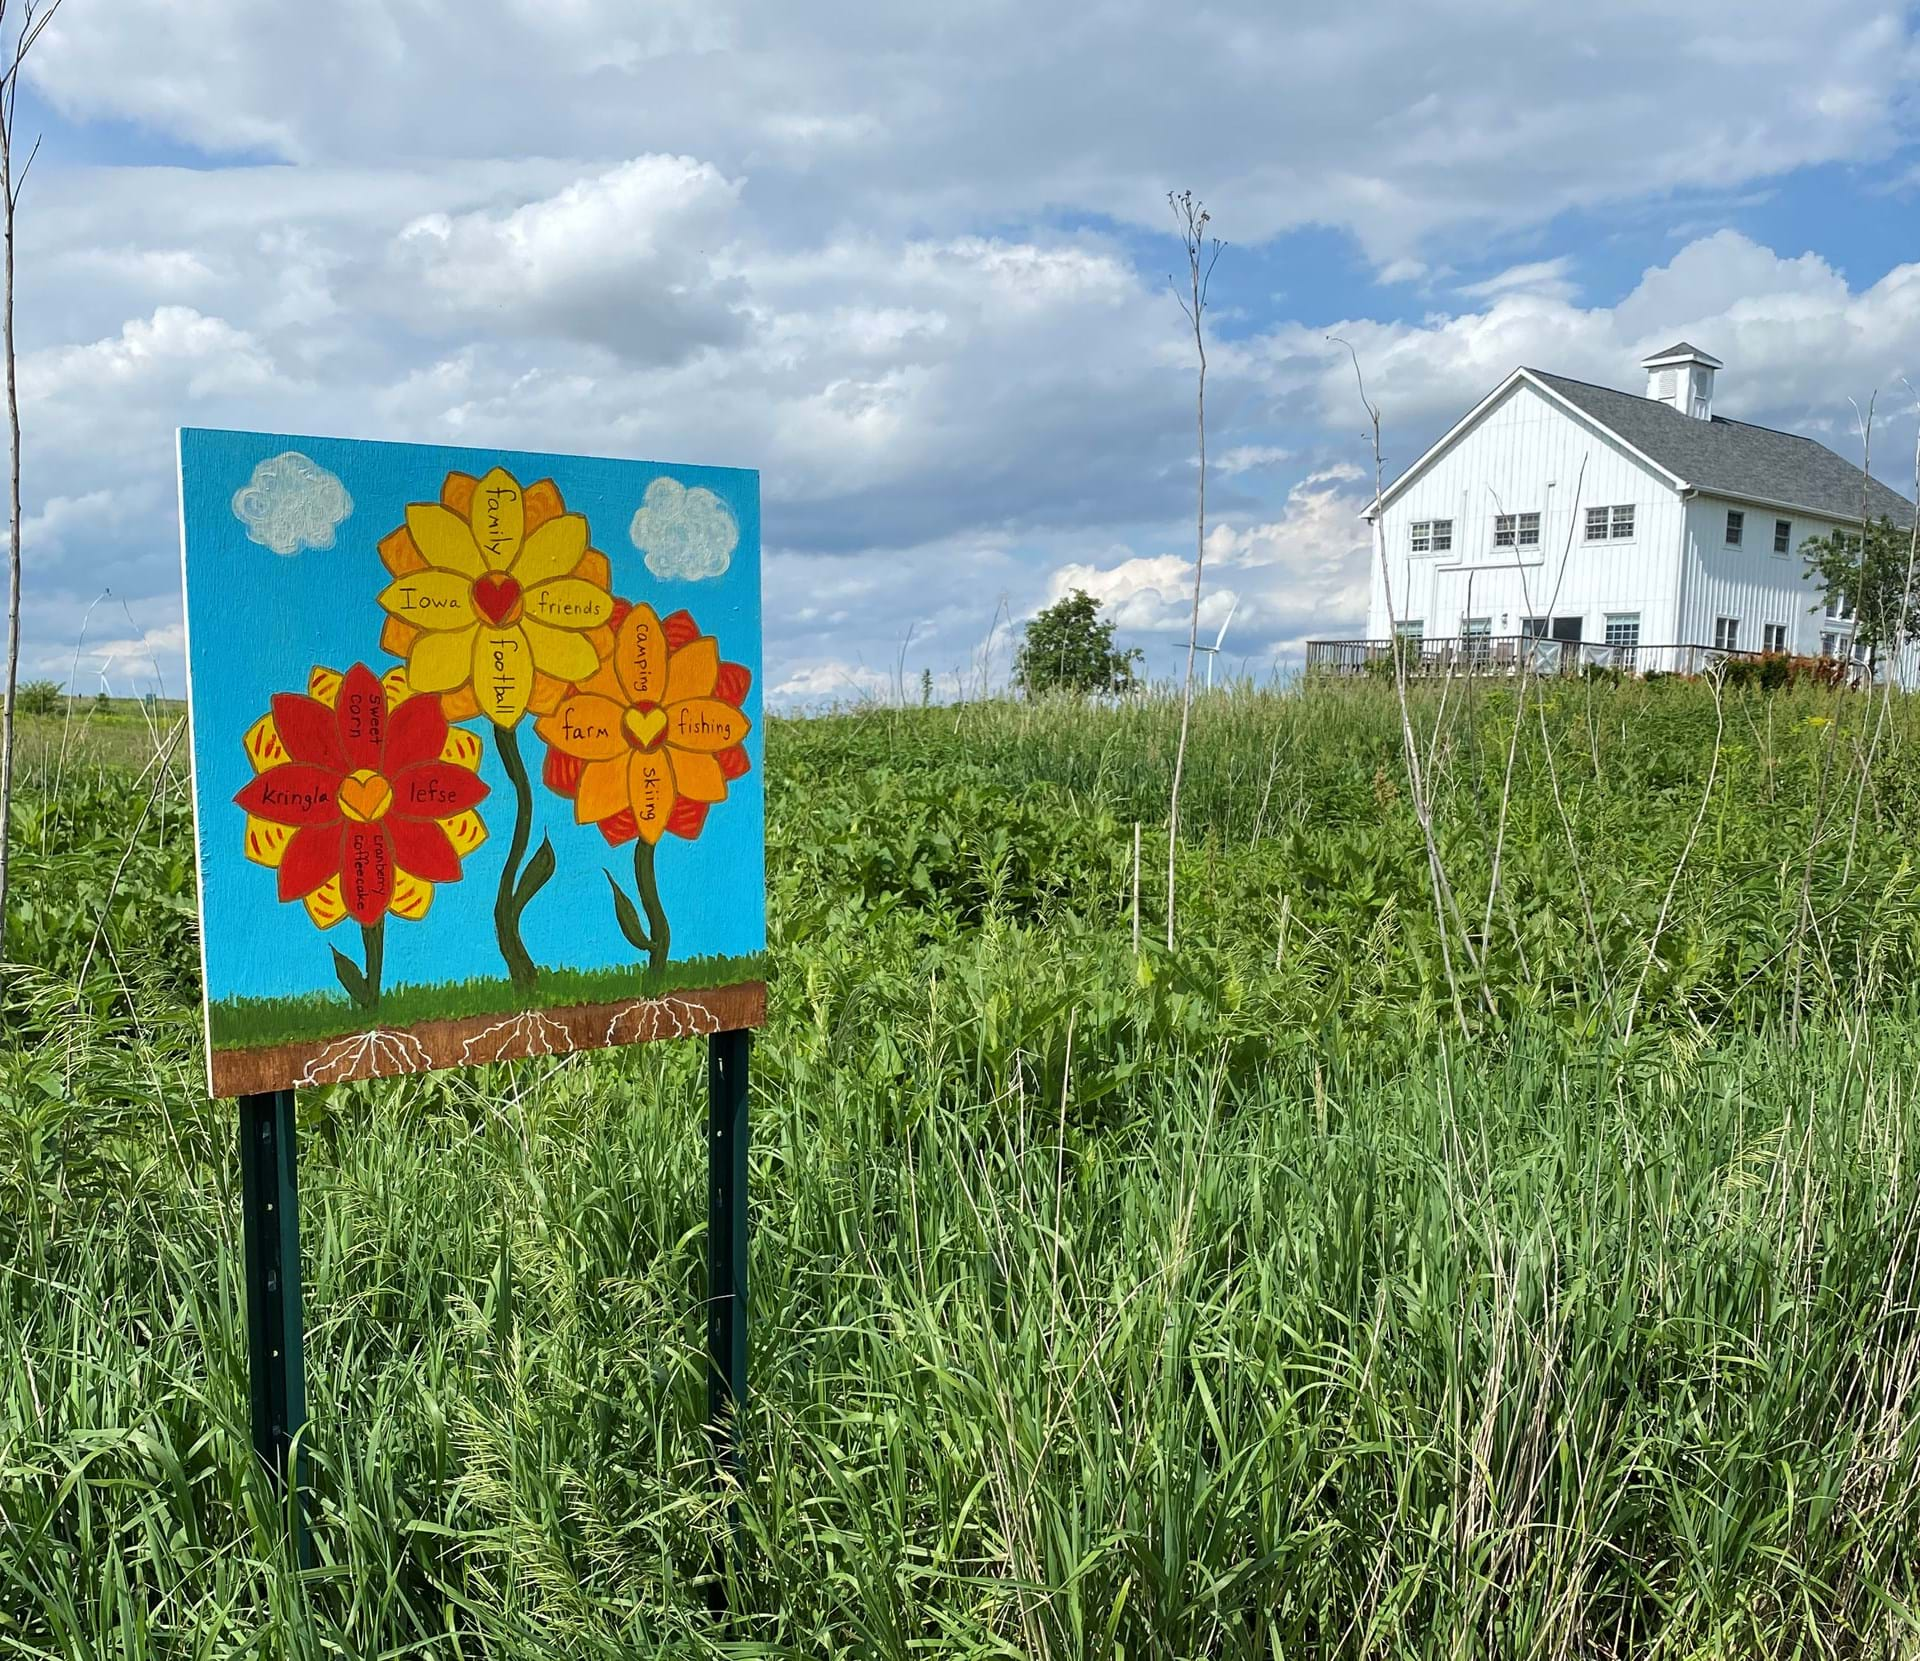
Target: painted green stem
(658,933)
(509,902)
(373,937)
(363,984)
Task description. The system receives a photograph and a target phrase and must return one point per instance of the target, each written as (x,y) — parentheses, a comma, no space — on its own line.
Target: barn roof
(1731,458)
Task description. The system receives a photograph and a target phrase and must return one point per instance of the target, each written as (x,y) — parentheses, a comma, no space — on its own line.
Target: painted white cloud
(291,503)
(685,534)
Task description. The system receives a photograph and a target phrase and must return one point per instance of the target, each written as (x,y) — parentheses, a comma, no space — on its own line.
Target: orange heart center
(643,727)
(365,796)
(496,597)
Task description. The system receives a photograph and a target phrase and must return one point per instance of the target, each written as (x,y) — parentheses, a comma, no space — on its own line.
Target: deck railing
(1510,654)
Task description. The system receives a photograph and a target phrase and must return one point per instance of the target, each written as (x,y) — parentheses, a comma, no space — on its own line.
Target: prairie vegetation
(1281,1296)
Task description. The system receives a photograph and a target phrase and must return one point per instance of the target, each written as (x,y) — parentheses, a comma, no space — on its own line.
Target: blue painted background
(258,621)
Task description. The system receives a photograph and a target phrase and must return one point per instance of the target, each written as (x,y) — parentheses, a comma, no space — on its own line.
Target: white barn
(1640,530)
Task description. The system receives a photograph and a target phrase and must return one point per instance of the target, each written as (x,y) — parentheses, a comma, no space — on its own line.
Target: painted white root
(641,1023)
(528,1033)
(367,1055)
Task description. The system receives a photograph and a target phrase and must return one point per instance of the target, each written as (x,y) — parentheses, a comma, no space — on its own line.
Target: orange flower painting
(648,744)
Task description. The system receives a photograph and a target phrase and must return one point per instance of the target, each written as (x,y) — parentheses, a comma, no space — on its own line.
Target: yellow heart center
(365,796)
(644,726)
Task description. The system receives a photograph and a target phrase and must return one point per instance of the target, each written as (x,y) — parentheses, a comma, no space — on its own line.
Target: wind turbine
(1213,651)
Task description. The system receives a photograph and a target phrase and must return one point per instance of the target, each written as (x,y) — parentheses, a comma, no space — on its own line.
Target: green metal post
(276,1370)
(727,1240)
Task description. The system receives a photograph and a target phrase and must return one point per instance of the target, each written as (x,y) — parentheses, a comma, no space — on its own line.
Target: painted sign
(476,753)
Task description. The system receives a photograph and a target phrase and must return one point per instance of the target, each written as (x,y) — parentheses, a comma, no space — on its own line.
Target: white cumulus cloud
(291,503)
(684,533)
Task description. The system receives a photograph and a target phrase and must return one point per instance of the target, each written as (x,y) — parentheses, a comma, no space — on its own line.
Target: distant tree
(1872,579)
(102,704)
(1069,648)
(38,698)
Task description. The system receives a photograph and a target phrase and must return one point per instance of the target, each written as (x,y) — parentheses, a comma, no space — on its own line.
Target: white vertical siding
(1525,455)
(1750,582)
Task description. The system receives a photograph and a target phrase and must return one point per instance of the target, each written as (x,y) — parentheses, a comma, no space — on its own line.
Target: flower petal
(586,727)
(502,674)
(441,662)
(561,772)
(263,745)
(431,599)
(421,849)
(732,684)
(602,792)
(567,603)
(324,904)
(705,724)
(542,503)
(323,683)
(698,776)
(693,670)
(436,790)
(651,784)
(456,492)
(416,732)
(398,637)
(620,828)
(594,568)
(460,704)
(462,748)
(548,690)
(443,539)
(552,551)
(361,715)
(266,841)
(687,818)
(640,656)
(411,897)
(681,630)
(308,731)
(293,794)
(498,516)
(566,654)
(366,872)
(465,831)
(734,763)
(310,858)
(399,553)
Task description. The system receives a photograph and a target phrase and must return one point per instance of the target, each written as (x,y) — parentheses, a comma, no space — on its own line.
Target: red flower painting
(362,799)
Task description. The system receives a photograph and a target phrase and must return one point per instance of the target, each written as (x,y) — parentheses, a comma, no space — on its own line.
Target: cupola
(1681,377)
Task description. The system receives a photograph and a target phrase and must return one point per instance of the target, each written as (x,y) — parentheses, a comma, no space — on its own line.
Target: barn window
(1736,527)
(1623,628)
(1773,637)
(1611,523)
(1516,530)
(1726,634)
(1782,535)
(1432,536)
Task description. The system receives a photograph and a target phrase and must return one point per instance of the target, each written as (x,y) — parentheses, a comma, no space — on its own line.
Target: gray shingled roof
(1685,349)
(1730,458)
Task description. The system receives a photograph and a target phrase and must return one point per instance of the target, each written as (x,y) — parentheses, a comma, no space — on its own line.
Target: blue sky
(911,264)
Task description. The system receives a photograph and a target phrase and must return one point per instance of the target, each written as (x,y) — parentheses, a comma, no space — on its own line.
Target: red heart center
(495,596)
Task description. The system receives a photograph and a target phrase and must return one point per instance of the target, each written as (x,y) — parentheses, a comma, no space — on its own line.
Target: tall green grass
(1233,1303)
